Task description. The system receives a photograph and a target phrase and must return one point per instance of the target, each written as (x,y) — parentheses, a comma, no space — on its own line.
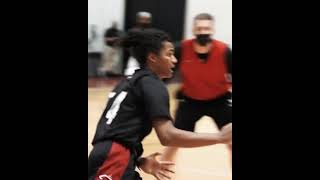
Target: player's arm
(171,136)
(228,56)
(156,100)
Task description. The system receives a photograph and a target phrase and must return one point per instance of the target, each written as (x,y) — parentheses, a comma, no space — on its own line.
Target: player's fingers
(157,176)
(167,163)
(163,174)
(169,170)
(161,177)
(167,166)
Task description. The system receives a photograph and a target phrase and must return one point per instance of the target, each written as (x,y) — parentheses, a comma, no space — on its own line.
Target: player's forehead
(203,23)
(143,19)
(167,46)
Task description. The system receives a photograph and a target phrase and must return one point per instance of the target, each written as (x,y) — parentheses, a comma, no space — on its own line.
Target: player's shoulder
(186,41)
(220,43)
(121,86)
(144,74)
(149,78)
(152,82)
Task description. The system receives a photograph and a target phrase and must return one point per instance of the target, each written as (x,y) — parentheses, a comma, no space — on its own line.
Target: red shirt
(204,80)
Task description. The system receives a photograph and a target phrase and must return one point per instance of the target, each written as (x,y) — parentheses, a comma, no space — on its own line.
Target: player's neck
(202,49)
(154,70)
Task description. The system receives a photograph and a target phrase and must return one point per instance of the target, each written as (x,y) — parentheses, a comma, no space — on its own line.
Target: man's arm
(228,56)
(171,136)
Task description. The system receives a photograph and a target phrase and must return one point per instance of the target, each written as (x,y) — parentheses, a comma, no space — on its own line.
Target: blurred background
(173,16)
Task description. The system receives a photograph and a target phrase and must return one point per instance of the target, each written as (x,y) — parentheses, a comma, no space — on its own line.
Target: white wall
(220,9)
(102,13)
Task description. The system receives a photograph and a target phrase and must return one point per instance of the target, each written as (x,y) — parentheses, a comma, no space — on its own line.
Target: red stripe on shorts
(115,164)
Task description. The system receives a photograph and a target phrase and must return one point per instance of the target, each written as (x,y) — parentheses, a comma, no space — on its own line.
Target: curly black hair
(142,42)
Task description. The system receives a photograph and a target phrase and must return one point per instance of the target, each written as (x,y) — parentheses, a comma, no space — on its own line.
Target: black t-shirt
(131,107)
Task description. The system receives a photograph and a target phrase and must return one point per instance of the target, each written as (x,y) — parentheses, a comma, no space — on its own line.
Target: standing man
(112,58)
(205,65)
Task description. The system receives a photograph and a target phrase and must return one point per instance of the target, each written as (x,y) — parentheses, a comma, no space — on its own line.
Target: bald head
(143,19)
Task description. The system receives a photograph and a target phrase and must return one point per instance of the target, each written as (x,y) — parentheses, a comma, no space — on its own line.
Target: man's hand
(226,134)
(159,169)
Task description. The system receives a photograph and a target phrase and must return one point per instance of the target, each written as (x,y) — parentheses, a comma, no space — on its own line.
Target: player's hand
(159,169)
(226,134)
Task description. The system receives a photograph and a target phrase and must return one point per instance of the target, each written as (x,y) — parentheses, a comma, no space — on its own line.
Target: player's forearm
(171,136)
(181,138)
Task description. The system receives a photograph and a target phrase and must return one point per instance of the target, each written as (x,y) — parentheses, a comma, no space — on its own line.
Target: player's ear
(152,57)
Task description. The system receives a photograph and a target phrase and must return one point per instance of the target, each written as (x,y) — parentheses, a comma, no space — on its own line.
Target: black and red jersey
(132,105)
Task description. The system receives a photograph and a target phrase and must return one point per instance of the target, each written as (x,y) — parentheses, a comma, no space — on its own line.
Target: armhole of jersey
(228,63)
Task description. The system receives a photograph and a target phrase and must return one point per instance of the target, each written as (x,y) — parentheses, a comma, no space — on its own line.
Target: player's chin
(167,74)
(170,73)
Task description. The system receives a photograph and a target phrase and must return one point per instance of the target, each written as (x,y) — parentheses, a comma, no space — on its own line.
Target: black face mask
(203,39)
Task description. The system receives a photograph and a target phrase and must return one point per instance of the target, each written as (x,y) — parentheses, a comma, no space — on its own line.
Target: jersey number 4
(112,113)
